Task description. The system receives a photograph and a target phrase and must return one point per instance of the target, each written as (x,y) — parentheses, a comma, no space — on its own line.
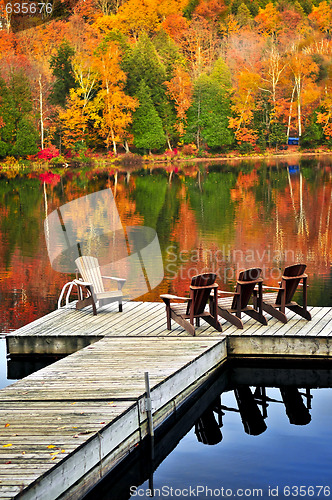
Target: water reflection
(224,217)
(213,424)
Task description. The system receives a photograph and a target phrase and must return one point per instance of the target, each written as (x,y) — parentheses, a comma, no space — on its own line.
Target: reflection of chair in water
(230,308)
(252,418)
(275,303)
(93,285)
(207,429)
(200,290)
(297,412)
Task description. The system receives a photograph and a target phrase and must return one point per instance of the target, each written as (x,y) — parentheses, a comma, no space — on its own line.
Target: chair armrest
(259,280)
(214,285)
(82,283)
(115,279)
(272,288)
(294,277)
(167,296)
(220,292)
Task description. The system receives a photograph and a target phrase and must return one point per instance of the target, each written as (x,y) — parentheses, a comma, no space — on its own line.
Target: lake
(221,217)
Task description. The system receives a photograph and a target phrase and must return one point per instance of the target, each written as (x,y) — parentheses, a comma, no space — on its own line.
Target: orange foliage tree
(180,90)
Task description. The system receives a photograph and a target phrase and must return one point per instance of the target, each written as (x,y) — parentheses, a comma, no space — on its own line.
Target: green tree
(7,120)
(18,133)
(277,135)
(147,126)
(208,115)
(243,15)
(143,65)
(26,138)
(63,73)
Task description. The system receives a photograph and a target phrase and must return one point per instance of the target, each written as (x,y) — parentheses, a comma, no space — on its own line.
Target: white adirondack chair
(91,289)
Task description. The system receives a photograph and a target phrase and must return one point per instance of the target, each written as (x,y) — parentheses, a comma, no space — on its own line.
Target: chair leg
(275,312)
(301,311)
(184,323)
(230,317)
(120,306)
(257,316)
(168,317)
(213,322)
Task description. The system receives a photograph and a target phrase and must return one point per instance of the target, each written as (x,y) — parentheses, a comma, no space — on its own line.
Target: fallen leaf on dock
(7,445)
(51,446)
(9,462)
(7,425)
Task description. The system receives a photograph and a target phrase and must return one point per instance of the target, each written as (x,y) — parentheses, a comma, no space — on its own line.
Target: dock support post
(148,404)
(148,408)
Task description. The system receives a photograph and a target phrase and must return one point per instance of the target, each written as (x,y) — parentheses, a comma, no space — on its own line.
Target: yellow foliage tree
(74,120)
(111,109)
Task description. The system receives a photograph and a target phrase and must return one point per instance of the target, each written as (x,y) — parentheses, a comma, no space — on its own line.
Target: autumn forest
(165,75)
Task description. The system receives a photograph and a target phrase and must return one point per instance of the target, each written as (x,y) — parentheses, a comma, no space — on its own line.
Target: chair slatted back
(90,271)
(252,276)
(201,296)
(291,285)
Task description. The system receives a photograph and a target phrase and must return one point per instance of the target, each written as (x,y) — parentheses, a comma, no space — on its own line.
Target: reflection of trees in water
(245,207)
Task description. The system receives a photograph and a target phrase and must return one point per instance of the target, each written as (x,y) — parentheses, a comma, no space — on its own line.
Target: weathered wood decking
(60,332)
(77,418)
(63,427)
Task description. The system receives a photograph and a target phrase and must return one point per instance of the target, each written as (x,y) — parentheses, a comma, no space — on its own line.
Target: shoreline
(133,160)
(282,155)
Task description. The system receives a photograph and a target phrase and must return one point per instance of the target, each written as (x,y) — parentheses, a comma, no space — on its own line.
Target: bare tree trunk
(126,146)
(41,113)
(290,111)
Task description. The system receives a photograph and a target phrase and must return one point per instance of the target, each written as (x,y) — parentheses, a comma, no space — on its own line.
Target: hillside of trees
(154,75)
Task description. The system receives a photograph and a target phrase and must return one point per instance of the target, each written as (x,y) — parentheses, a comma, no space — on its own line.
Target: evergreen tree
(18,133)
(64,76)
(26,138)
(7,120)
(243,15)
(208,115)
(277,135)
(143,65)
(147,126)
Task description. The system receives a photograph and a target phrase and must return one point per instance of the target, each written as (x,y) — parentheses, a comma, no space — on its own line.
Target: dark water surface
(261,452)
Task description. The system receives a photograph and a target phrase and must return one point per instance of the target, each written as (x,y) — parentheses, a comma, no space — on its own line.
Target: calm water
(218,217)
(248,454)
(221,217)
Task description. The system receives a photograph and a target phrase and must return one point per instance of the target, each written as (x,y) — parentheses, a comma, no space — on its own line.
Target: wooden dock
(65,426)
(61,332)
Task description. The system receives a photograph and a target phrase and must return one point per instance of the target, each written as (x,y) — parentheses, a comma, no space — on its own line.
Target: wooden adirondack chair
(275,303)
(231,308)
(91,286)
(200,290)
